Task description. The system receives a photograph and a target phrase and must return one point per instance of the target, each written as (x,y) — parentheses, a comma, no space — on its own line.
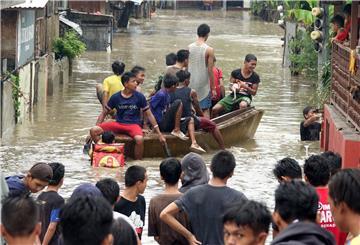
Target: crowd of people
(317,204)
(185,98)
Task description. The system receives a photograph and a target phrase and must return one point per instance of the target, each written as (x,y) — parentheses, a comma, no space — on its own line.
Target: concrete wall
(38,79)
(340,137)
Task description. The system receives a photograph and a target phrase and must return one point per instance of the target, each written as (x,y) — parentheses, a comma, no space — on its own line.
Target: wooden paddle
(166,150)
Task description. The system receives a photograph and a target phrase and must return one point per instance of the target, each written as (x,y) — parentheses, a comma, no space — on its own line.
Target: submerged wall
(38,79)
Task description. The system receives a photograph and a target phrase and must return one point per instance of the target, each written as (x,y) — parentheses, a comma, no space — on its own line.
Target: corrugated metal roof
(73,25)
(29,4)
(8,3)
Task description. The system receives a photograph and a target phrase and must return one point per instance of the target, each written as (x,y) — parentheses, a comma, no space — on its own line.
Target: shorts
(205,103)
(121,128)
(206,124)
(167,123)
(230,105)
(184,123)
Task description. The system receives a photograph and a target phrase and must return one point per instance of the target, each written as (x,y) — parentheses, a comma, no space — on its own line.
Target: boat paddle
(166,149)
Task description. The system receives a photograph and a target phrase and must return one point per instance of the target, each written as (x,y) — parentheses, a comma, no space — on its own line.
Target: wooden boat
(234,126)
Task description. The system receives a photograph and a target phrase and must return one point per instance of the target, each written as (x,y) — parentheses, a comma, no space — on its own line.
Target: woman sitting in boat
(243,84)
(169,115)
(128,104)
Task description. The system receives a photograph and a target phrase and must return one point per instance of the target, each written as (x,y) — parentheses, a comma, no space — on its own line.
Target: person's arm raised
(167,216)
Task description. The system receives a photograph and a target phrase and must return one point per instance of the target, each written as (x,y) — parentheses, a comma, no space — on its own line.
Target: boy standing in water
(201,63)
(310,128)
(128,104)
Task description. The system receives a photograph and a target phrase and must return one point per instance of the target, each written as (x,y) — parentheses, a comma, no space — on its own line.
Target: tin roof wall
(30,4)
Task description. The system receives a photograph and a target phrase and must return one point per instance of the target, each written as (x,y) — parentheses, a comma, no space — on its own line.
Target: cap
(41,171)
(86,189)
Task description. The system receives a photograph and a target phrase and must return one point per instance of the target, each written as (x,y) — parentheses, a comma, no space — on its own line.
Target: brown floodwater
(56,129)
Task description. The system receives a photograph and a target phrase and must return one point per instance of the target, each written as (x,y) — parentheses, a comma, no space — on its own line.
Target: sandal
(197,149)
(180,135)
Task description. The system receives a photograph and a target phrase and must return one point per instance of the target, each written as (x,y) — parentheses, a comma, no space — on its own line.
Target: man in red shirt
(317,174)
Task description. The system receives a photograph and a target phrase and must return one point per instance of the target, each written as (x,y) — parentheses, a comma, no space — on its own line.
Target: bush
(69,45)
(302,54)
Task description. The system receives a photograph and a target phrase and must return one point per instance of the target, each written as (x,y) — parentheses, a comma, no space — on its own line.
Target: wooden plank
(354,24)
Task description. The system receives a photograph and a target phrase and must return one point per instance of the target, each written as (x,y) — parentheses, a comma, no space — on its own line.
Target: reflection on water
(58,127)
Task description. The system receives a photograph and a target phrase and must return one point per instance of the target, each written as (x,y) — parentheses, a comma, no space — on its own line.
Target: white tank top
(199,80)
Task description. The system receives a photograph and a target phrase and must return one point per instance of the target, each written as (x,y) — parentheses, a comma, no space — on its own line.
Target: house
(341,126)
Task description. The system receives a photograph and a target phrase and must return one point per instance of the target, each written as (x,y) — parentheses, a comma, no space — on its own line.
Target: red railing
(342,81)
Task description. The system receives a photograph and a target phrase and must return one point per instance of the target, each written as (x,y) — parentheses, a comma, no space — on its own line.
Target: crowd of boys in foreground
(317,205)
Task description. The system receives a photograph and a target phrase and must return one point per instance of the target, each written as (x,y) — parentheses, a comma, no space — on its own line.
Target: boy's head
(246,224)
(84,190)
(139,73)
(38,177)
(20,219)
(203,31)
(295,200)
(110,189)
(170,171)
(308,112)
(317,171)
(170,59)
(184,76)
(250,62)
(337,22)
(118,67)
(58,173)
(183,56)
(128,79)
(235,74)
(344,198)
(347,10)
(223,164)
(287,169)
(123,232)
(108,137)
(334,161)
(136,176)
(86,220)
(170,82)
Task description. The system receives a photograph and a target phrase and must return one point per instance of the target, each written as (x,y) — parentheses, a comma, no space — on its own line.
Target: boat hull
(235,127)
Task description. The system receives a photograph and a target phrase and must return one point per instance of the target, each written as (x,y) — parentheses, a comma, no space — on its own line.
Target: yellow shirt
(112,85)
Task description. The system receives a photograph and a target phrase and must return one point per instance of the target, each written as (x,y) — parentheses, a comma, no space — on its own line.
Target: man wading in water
(201,62)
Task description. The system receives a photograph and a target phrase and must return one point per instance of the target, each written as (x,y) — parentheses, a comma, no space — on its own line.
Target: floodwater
(58,127)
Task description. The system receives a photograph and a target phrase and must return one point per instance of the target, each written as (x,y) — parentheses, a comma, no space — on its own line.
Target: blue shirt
(128,109)
(16,186)
(159,104)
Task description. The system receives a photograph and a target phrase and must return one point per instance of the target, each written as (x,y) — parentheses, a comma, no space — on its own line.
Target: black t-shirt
(134,210)
(253,79)
(311,132)
(205,206)
(51,203)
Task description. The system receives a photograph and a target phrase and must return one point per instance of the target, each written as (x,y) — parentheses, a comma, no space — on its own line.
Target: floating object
(108,155)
